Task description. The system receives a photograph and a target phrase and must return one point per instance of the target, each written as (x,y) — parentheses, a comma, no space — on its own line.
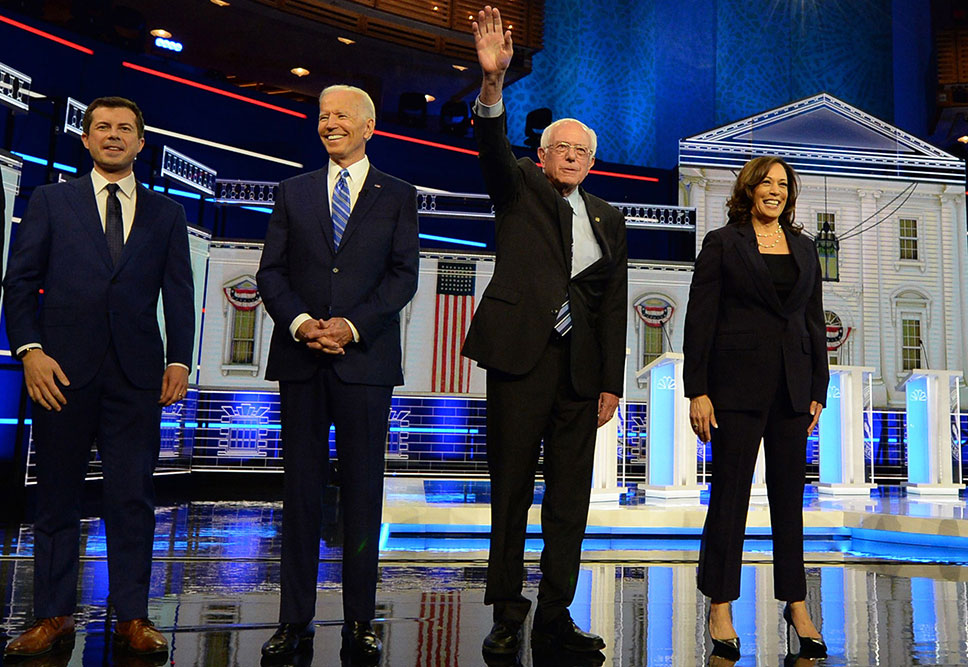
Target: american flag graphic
(439,629)
(451,373)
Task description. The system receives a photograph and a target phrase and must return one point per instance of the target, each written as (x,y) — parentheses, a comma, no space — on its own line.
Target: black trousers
(735,446)
(521,411)
(359,413)
(125,421)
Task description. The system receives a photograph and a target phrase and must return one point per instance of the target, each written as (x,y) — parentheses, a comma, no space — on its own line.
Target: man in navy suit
(100,249)
(339,264)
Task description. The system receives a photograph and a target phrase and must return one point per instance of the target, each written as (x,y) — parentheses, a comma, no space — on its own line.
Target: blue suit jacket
(89,305)
(368,280)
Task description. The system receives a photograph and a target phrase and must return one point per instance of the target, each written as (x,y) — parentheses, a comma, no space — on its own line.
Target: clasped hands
(328,336)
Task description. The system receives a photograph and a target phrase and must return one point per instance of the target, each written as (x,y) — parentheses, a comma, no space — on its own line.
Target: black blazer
(737,332)
(88,303)
(532,275)
(368,280)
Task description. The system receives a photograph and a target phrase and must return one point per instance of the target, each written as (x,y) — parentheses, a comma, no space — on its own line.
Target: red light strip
(46,35)
(467,151)
(211,89)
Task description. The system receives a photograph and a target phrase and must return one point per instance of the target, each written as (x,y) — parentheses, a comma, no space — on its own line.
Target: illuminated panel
(14,88)
(74,117)
(662,396)
(832,433)
(919,448)
(246,192)
(185,170)
(212,89)
(46,35)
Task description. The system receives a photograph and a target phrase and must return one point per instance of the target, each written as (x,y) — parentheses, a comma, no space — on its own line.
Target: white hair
(592,137)
(366,102)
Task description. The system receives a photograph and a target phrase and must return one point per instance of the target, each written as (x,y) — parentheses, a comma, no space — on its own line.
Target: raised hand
(493,43)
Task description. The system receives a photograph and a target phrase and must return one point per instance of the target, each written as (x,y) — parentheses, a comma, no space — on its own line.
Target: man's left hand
(606,407)
(174,385)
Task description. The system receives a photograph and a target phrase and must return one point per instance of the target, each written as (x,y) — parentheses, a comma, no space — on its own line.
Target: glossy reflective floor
(215,596)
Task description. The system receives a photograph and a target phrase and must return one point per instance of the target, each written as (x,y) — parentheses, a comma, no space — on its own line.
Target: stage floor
(895,595)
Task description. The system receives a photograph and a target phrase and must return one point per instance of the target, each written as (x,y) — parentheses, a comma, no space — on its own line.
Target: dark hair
(112,103)
(740,203)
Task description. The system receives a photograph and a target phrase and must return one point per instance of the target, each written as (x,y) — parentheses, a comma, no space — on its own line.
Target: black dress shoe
(288,638)
(504,639)
(360,642)
(562,633)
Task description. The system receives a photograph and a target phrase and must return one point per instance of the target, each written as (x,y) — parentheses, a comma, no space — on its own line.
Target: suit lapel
(85,206)
(565,217)
(319,196)
(140,227)
(596,217)
(800,248)
(370,192)
(757,266)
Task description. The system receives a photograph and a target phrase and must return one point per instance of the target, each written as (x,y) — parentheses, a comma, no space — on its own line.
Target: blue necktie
(341,207)
(563,320)
(113,226)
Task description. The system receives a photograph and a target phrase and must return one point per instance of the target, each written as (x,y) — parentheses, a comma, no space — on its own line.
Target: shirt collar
(357,170)
(126,184)
(577,203)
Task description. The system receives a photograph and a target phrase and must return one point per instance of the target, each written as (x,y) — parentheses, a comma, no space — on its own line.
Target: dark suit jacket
(87,303)
(737,333)
(532,275)
(368,280)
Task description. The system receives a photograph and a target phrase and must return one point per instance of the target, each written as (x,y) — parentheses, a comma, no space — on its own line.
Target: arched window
(652,326)
(910,313)
(243,325)
(837,335)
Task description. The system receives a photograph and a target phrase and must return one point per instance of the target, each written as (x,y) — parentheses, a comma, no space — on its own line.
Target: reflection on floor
(215,595)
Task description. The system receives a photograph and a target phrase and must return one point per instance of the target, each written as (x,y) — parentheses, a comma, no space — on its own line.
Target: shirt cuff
(175,363)
(296,323)
(488,110)
(356,334)
(24,348)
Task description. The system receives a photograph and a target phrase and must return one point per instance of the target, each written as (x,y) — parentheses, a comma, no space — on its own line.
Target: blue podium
(842,426)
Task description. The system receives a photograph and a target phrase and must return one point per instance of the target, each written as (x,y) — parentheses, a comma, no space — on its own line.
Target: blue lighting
(178,193)
(430,429)
(42,161)
(260,209)
(662,398)
(384,535)
(919,448)
(831,433)
(446,239)
(169,44)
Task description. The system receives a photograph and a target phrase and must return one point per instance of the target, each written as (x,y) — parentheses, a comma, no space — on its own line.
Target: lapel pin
(377,185)
(597,219)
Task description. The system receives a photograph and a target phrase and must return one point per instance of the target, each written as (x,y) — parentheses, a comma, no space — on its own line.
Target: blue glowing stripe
(384,535)
(170,424)
(425,429)
(445,239)
(169,44)
(260,209)
(42,161)
(178,193)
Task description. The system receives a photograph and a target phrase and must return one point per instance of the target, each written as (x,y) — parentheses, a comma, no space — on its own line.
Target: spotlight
(412,109)
(161,32)
(300,71)
(535,122)
(455,118)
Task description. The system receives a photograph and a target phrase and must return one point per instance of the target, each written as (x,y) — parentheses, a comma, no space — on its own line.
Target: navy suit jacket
(532,275)
(738,335)
(368,280)
(88,304)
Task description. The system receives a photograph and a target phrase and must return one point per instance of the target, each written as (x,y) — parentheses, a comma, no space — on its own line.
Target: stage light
(184,169)
(221,3)
(430,98)
(346,40)
(14,88)
(459,68)
(534,124)
(963,139)
(169,44)
(412,109)
(300,71)
(161,32)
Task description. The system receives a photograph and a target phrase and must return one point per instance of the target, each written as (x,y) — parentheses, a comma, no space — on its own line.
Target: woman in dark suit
(756,367)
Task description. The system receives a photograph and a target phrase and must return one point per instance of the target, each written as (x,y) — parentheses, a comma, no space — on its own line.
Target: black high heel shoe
(723,648)
(810,647)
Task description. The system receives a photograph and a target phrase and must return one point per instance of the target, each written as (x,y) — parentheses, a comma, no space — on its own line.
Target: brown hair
(112,103)
(740,203)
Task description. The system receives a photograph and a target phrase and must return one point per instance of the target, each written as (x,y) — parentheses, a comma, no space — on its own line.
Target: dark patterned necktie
(113,226)
(341,207)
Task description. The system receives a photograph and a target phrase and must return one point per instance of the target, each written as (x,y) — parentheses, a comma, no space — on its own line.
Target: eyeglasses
(562,148)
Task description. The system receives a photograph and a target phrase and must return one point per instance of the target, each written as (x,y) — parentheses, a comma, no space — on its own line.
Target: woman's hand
(702,416)
(815,410)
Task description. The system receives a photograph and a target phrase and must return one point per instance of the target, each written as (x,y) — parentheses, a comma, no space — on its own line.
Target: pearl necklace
(777,234)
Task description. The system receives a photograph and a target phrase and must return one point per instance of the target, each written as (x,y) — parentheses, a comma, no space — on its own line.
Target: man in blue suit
(339,264)
(100,249)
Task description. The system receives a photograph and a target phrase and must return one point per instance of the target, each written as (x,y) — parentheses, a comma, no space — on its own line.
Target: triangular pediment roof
(824,135)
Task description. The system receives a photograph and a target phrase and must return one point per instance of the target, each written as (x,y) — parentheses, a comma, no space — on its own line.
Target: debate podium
(842,442)
(933,447)
(671,445)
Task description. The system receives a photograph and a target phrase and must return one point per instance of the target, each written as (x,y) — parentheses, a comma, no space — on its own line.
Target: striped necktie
(563,319)
(341,206)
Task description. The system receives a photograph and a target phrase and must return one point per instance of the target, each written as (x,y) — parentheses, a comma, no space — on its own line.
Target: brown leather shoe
(44,635)
(140,636)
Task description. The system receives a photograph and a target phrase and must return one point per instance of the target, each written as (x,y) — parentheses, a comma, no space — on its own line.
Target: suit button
(335,269)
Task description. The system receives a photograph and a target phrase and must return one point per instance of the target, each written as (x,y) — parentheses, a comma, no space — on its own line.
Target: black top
(783,269)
